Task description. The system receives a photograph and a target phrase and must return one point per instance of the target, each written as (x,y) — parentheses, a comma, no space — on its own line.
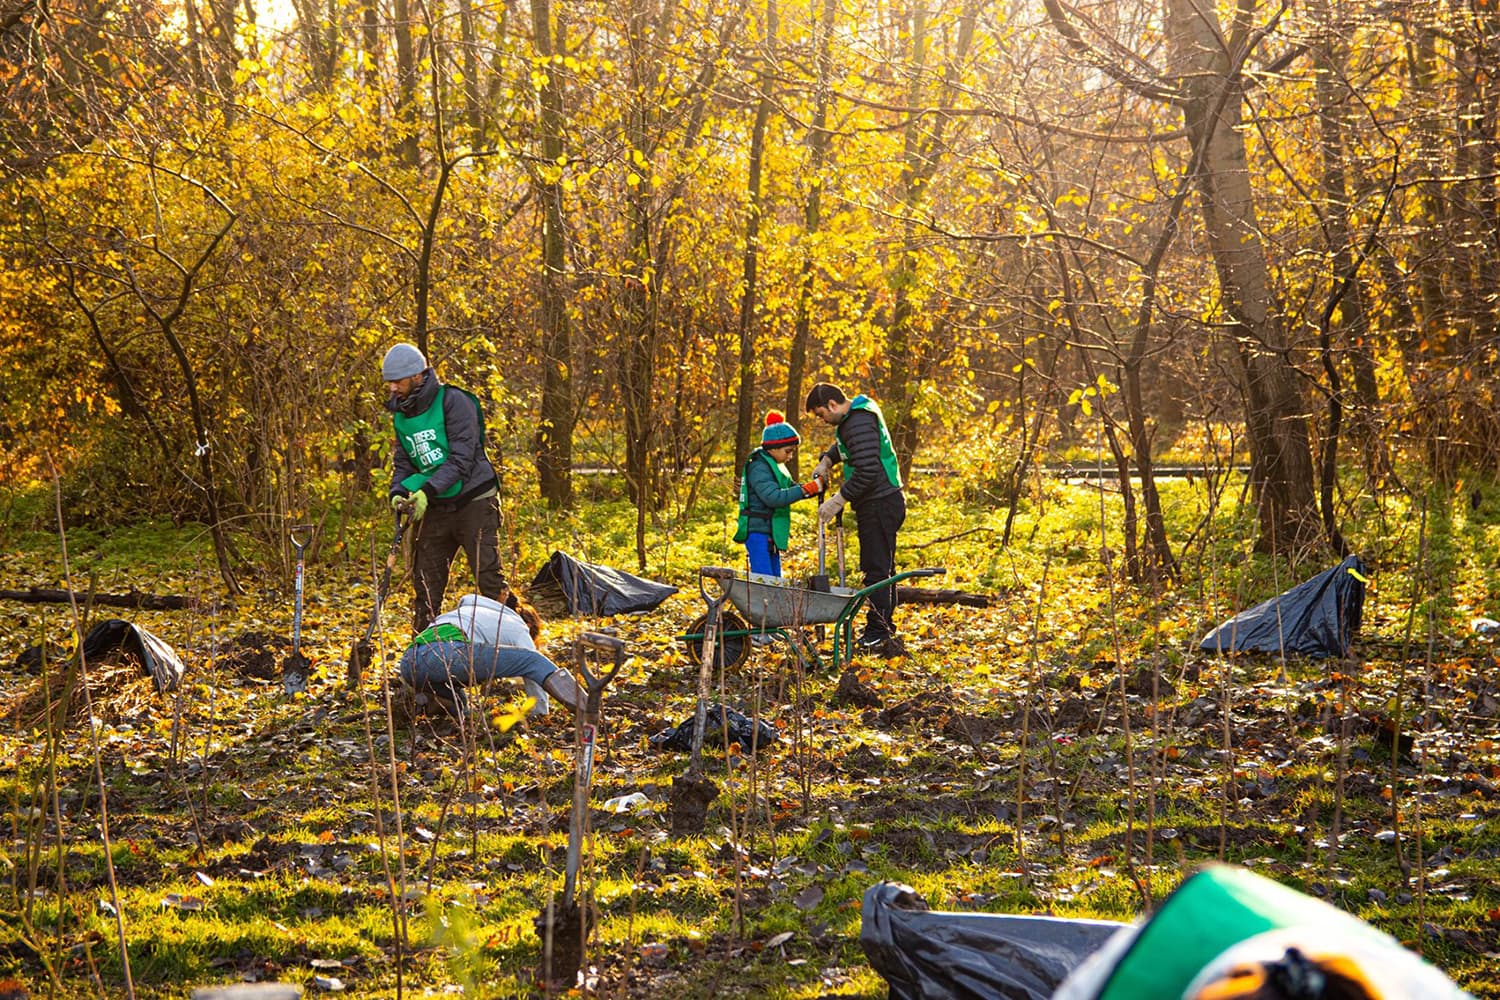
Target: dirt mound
(254,654)
(118,687)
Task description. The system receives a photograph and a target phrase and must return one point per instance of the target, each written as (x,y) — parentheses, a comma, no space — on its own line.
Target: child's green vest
(781,517)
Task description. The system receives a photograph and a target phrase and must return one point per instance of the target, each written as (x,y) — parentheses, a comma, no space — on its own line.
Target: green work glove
(399,502)
(418,505)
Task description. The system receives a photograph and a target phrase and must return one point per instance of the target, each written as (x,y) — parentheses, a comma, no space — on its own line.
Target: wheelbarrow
(770,605)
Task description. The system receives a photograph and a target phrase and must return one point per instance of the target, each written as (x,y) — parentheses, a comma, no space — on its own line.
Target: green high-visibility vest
(424,438)
(781,517)
(887,449)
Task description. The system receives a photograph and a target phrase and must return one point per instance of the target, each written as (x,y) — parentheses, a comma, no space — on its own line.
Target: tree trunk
(924,141)
(647,254)
(641,281)
(406,86)
(916,166)
(1333,96)
(131,599)
(1474,228)
(812,219)
(745,415)
(554,435)
(473,104)
(319,40)
(370,29)
(1275,415)
(166,323)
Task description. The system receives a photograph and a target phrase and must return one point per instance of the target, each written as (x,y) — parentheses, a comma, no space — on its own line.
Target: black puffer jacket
(860,433)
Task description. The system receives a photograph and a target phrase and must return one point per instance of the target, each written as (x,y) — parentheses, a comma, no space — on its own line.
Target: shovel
(295,668)
(363,649)
(819,582)
(693,790)
(838,534)
(564,928)
(588,725)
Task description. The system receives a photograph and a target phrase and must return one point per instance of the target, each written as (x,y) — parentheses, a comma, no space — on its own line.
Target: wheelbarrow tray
(770,602)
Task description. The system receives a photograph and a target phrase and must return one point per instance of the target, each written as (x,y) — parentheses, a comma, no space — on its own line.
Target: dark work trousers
(473,527)
(878,520)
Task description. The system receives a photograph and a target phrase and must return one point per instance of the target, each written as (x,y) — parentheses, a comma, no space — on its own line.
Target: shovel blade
(294,673)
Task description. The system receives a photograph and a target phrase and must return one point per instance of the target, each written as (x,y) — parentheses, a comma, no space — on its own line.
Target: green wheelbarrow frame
(772,606)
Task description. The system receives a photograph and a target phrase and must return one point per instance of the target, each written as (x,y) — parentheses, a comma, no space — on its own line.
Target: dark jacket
(466,460)
(860,433)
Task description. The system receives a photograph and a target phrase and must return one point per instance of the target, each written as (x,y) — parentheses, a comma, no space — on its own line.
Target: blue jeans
(762,552)
(445,668)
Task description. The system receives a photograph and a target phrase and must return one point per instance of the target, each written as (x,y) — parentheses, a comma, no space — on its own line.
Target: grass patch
(280,816)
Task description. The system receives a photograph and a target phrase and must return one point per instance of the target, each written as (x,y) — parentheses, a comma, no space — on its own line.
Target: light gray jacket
(487,622)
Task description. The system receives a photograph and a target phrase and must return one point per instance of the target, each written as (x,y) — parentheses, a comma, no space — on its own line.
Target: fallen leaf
(809,897)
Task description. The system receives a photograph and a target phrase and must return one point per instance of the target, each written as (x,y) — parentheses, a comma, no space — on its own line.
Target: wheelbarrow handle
(929,571)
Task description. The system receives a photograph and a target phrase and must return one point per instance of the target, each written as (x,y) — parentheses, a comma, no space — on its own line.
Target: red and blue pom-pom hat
(778,432)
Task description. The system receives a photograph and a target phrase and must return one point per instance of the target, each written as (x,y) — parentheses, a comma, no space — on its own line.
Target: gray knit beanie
(402,361)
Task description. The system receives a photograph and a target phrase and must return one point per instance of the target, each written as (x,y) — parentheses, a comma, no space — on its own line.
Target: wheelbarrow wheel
(731,651)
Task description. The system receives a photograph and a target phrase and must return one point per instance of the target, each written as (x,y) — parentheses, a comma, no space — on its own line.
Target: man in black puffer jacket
(872,484)
(440,471)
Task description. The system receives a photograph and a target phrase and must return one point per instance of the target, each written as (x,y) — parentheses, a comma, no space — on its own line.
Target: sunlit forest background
(1259,235)
(1239,261)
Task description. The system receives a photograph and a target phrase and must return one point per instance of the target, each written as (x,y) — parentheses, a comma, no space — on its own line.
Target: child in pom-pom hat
(767,492)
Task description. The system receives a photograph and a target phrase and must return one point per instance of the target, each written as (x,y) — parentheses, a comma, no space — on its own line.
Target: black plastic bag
(156,657)
(933,955)
(586,589)
(1319,618)
(742,730)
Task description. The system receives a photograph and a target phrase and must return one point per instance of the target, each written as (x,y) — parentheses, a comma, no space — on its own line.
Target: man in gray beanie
(441,472)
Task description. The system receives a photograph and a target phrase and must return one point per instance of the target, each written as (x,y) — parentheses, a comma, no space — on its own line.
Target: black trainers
(886,646)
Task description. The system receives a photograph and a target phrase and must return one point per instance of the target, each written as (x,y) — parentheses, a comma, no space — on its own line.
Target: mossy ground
(1066,750)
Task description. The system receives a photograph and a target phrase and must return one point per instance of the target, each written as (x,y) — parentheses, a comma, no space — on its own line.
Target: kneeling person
(477,642)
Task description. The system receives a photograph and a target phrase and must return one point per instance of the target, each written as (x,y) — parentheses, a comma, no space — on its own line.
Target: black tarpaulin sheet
(587,589)
(932,955)
(1319,617)
(158,659)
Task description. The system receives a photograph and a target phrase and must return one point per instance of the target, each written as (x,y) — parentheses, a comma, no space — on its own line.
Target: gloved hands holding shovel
(813,488)
(829,509)
(823,469)
(416,502)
